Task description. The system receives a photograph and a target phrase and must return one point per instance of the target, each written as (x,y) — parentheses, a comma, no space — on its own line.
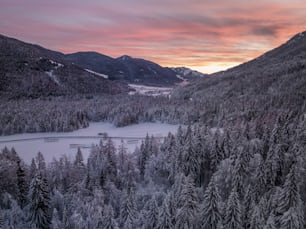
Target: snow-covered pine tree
(186,214)
(190,157)
(248,203)
(291,219)
(257,219)
(128,214)
(233,212)
(41,164)
(108,220)
(151,214)
(144,155)
(56,222)
(39,203)
(165,219)
(289,210)
(111,160)
(270,224)
(22,185)
(79,160)
(210,214)
(33,168)
(1,222)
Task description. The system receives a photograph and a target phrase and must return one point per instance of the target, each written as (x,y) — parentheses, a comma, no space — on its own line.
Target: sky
(206,35)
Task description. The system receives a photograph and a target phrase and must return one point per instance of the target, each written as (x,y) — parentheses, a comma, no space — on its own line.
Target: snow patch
(180,77)
(53,77)
(54,145)
(150,90)
(96,73)
(57,65)
(214,130)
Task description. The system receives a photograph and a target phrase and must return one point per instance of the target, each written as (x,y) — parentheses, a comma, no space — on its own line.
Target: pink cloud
(193,33)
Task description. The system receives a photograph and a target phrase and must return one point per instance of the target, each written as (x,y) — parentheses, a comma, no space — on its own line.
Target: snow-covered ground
(149,90)
(96,73)
(53,145)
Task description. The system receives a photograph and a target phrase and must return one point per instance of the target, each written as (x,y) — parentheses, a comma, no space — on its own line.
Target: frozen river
(53,145)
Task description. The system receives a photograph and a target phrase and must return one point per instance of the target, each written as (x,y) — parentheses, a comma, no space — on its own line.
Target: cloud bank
(202,34)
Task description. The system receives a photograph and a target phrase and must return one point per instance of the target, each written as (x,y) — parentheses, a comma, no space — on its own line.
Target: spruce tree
(291,219)
(56,223)
(290,206)
(233,212)
(33,169)
(108,220)
(190,158)
(151,215)
(144,155)
(257,220)
(41,164)
(1,222)
(270,224)
(22,185)
(39,203)
(79,160)
(165,218)
(210,212)
(128,214)
(248,203)
(185,217)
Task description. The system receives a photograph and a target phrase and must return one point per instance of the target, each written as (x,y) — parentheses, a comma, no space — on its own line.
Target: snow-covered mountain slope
(126,69)
(279,72)
(28,70)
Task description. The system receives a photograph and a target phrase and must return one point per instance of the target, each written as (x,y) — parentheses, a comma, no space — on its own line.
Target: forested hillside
(198,178)
(30,71)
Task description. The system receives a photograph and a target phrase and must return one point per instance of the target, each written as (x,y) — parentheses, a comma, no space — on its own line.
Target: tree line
(200,177)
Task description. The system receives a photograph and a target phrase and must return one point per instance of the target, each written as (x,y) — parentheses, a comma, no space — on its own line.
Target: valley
(235,157)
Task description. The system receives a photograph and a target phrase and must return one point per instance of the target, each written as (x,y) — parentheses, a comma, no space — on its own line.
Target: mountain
(28,70)
(265,87)
(126,68)
(282,68)
(187,73)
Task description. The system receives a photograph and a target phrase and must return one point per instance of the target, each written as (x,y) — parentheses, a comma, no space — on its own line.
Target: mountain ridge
(28,70)
(278,74)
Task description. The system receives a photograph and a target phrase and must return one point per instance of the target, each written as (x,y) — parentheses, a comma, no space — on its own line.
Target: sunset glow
(202,34)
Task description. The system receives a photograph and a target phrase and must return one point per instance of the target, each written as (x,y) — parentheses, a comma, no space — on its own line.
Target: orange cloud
(205,35)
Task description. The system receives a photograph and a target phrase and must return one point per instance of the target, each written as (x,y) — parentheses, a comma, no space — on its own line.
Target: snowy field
(53,145)
(149,90)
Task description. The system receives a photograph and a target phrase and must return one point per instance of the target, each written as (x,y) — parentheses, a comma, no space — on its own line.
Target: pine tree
(190,157)
(233,212)
(151,215)
(41,164)
(108,220)
(291,219)
(79,160)
(289,207)
(39,203)
(111,161)
(22,186)
(257,220)
(56,223)
(33,169)
(144,155)
(185,217)
(210,213)
(1,222)
(248,203)
(270,224)
(165,217)
(128,214)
